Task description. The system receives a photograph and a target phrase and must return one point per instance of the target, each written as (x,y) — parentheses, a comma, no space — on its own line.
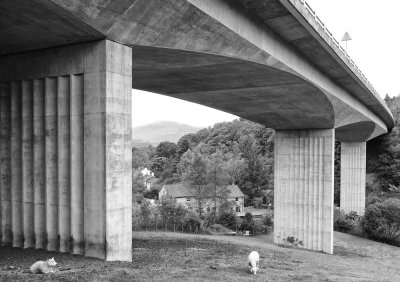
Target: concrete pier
(70,147)
(352,177)
(77,195)
(304,188)
(51,163)
(27,163)
(39,164)
(16,163)
(64,165)
(5,165)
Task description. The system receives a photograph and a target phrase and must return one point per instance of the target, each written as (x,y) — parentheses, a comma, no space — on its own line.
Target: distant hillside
(157,132)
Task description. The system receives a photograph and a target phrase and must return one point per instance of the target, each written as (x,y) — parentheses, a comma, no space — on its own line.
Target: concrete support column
(16,163)
(352,177)
(107,154)
(64,165)
(304,164)
(70,149)
(77,188)
(39,172)
(51,163)
(27,163)
(5,168)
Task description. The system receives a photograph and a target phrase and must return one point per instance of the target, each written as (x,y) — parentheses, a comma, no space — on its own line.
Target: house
(149,181)
(145,172)
(184,196)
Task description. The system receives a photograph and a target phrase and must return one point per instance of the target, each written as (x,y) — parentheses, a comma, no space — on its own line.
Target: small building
(182,195)
(146,171)
(149,181)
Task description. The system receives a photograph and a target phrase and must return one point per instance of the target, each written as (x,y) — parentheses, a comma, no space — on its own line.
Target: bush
(151,194)
(343,222)
(210,219)
(267,220)
(247,223)
(191,222)
(381,221)
(228,220)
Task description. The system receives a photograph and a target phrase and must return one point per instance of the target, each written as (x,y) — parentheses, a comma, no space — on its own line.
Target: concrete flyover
(67,68)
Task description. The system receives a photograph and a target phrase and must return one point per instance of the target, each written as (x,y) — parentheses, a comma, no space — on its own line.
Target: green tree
(217,177)
(384,151)
(166,149)
(186,142)
(194,176)
(137,182)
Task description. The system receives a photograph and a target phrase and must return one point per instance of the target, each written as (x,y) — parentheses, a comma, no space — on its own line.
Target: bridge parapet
(306,12)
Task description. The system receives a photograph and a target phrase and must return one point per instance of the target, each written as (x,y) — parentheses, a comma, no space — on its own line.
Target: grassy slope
(162,256)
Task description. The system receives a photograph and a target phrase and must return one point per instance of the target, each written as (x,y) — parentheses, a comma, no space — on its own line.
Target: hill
(157,132)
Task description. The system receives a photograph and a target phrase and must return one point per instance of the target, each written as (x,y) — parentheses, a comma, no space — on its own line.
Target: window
(187,199)
(237,199)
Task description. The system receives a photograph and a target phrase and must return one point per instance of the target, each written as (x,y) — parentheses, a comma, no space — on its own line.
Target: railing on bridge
(342,50)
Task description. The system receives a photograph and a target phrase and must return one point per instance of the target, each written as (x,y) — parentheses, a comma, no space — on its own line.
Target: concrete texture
(63,162)
(352,177)
(27,163)
(51,164)
(5,165)
(303,197)
(39,164)
(259,47)
(86,89)
(77,187)
(16,164)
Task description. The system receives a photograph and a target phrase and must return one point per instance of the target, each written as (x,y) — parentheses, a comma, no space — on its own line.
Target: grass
(167,256)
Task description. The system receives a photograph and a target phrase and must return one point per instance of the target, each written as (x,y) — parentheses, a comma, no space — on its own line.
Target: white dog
(254,260)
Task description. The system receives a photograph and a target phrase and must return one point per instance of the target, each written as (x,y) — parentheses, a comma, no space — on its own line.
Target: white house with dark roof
(184,196)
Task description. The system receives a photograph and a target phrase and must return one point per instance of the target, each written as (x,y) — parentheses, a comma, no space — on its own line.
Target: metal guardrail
(342,50)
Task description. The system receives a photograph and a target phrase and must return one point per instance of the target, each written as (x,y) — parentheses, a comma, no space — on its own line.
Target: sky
(375,48)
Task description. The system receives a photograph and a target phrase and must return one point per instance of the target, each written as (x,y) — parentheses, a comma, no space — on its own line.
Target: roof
(179,190)
(152,180)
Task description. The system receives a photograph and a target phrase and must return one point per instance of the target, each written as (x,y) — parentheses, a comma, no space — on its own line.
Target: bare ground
(161,256)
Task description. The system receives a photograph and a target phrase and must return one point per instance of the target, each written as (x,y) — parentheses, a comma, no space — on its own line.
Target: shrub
(267,220)
(191,222)
(381,221)
(292,242)
(210,219)
(247,223)
(151,194)
(343,222)
(228,220)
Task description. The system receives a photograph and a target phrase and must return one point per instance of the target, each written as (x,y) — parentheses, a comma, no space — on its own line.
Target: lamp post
(346,37)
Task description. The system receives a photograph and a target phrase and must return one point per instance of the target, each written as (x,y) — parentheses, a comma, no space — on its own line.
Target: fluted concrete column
(5,165)
(303,205)
(64,165)
(352,177)
(70,149)
(16,164)
(51,163)
(77,188)
(39,172)
(27,163)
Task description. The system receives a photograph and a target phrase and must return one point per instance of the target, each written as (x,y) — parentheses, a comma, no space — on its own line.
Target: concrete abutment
(65,145)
